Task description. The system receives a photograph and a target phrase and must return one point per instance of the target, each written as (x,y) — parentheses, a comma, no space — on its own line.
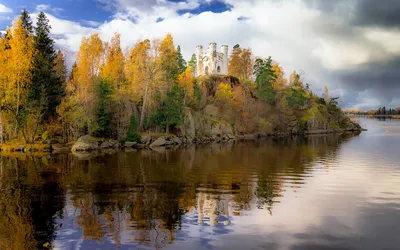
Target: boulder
(176,140)
(145,140)
(130,144)
(60,148)
(85,143)
(139,146)
(107,144)
(159,142)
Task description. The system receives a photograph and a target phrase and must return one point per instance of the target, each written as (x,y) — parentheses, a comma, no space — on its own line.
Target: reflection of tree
(29,200)
(145,195)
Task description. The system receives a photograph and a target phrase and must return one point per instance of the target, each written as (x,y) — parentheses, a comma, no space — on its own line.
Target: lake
(319,192)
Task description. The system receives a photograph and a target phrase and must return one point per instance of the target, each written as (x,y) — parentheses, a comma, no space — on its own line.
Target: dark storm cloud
(382,79)
(377,13)
(379,78)
(383,13)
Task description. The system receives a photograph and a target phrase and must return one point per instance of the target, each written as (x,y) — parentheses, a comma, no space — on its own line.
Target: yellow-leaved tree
(89,61)
(280,81)
(168,61)
(113,68)
(186,80)
(17,75)
(241,63)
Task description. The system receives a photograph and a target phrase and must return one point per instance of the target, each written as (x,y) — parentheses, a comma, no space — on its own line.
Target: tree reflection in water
(146,197)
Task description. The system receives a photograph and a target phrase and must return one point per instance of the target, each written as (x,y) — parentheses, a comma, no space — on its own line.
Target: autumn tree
(186,80)
(113,68)
(168,61)
(280,81)
(89,62)
(295,80)
(19,73)
(241,63)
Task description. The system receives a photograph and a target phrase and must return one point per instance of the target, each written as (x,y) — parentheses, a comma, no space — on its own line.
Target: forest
(150,88)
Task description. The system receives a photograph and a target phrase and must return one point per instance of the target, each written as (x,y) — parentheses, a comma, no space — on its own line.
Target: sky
(352,46)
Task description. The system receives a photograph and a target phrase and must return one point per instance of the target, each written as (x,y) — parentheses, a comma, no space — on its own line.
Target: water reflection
(151,199)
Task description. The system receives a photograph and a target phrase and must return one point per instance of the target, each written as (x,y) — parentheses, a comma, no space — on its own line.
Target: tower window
(219,69)
(206,70)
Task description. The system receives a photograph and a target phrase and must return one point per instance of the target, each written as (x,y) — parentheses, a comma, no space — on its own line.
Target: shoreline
(153,142)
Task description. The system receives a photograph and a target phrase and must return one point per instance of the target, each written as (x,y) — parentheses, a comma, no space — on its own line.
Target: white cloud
(285,30)
(4,9)
(47,7)
(90,23)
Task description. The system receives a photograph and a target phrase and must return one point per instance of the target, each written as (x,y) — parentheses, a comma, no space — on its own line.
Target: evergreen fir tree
(171,112)
(193,64)
(102,124)
(46,89)
(181,62)
(26,21)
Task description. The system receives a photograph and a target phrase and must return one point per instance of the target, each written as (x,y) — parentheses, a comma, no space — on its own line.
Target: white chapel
(212,62)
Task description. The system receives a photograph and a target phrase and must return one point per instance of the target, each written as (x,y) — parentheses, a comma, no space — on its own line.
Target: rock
(85,143)
(107,144)
(139,146)
(176,140)
(130,144)
(159,142)
(145,140)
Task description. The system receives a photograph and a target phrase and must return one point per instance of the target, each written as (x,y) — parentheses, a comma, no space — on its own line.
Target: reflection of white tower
(214,206)
(212,62)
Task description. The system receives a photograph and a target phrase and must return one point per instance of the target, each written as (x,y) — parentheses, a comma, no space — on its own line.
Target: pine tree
(181,62)
(46,89)
(265,77)
(103,115)
(26,21)
(171,112)
(193,64)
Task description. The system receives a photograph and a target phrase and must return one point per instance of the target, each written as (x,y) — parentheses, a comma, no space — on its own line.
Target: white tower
(212,62)
(199,59)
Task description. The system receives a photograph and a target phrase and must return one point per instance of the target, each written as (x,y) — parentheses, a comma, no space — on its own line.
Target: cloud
(330,41)
(4,9)
(90,23)
(47,7)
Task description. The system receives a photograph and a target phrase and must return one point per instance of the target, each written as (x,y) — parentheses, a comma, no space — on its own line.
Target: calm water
(323,192)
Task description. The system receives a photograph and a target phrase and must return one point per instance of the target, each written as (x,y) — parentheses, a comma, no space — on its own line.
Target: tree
(295,80)
(60,67)
(133,134)
(241,63)
(171,112)
(186,80)
(113,68)
(18,75)
(26,22)
(181,62)
(89,61)
(103,115)
(265,77)
(168,61)
(47,88)
(193,64)
(280,81)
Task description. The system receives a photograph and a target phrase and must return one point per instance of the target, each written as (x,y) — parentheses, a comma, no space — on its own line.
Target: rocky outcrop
(159,142)
(85,143)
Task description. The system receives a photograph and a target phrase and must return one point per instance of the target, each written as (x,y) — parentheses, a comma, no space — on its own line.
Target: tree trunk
(143,107)
(1,127)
